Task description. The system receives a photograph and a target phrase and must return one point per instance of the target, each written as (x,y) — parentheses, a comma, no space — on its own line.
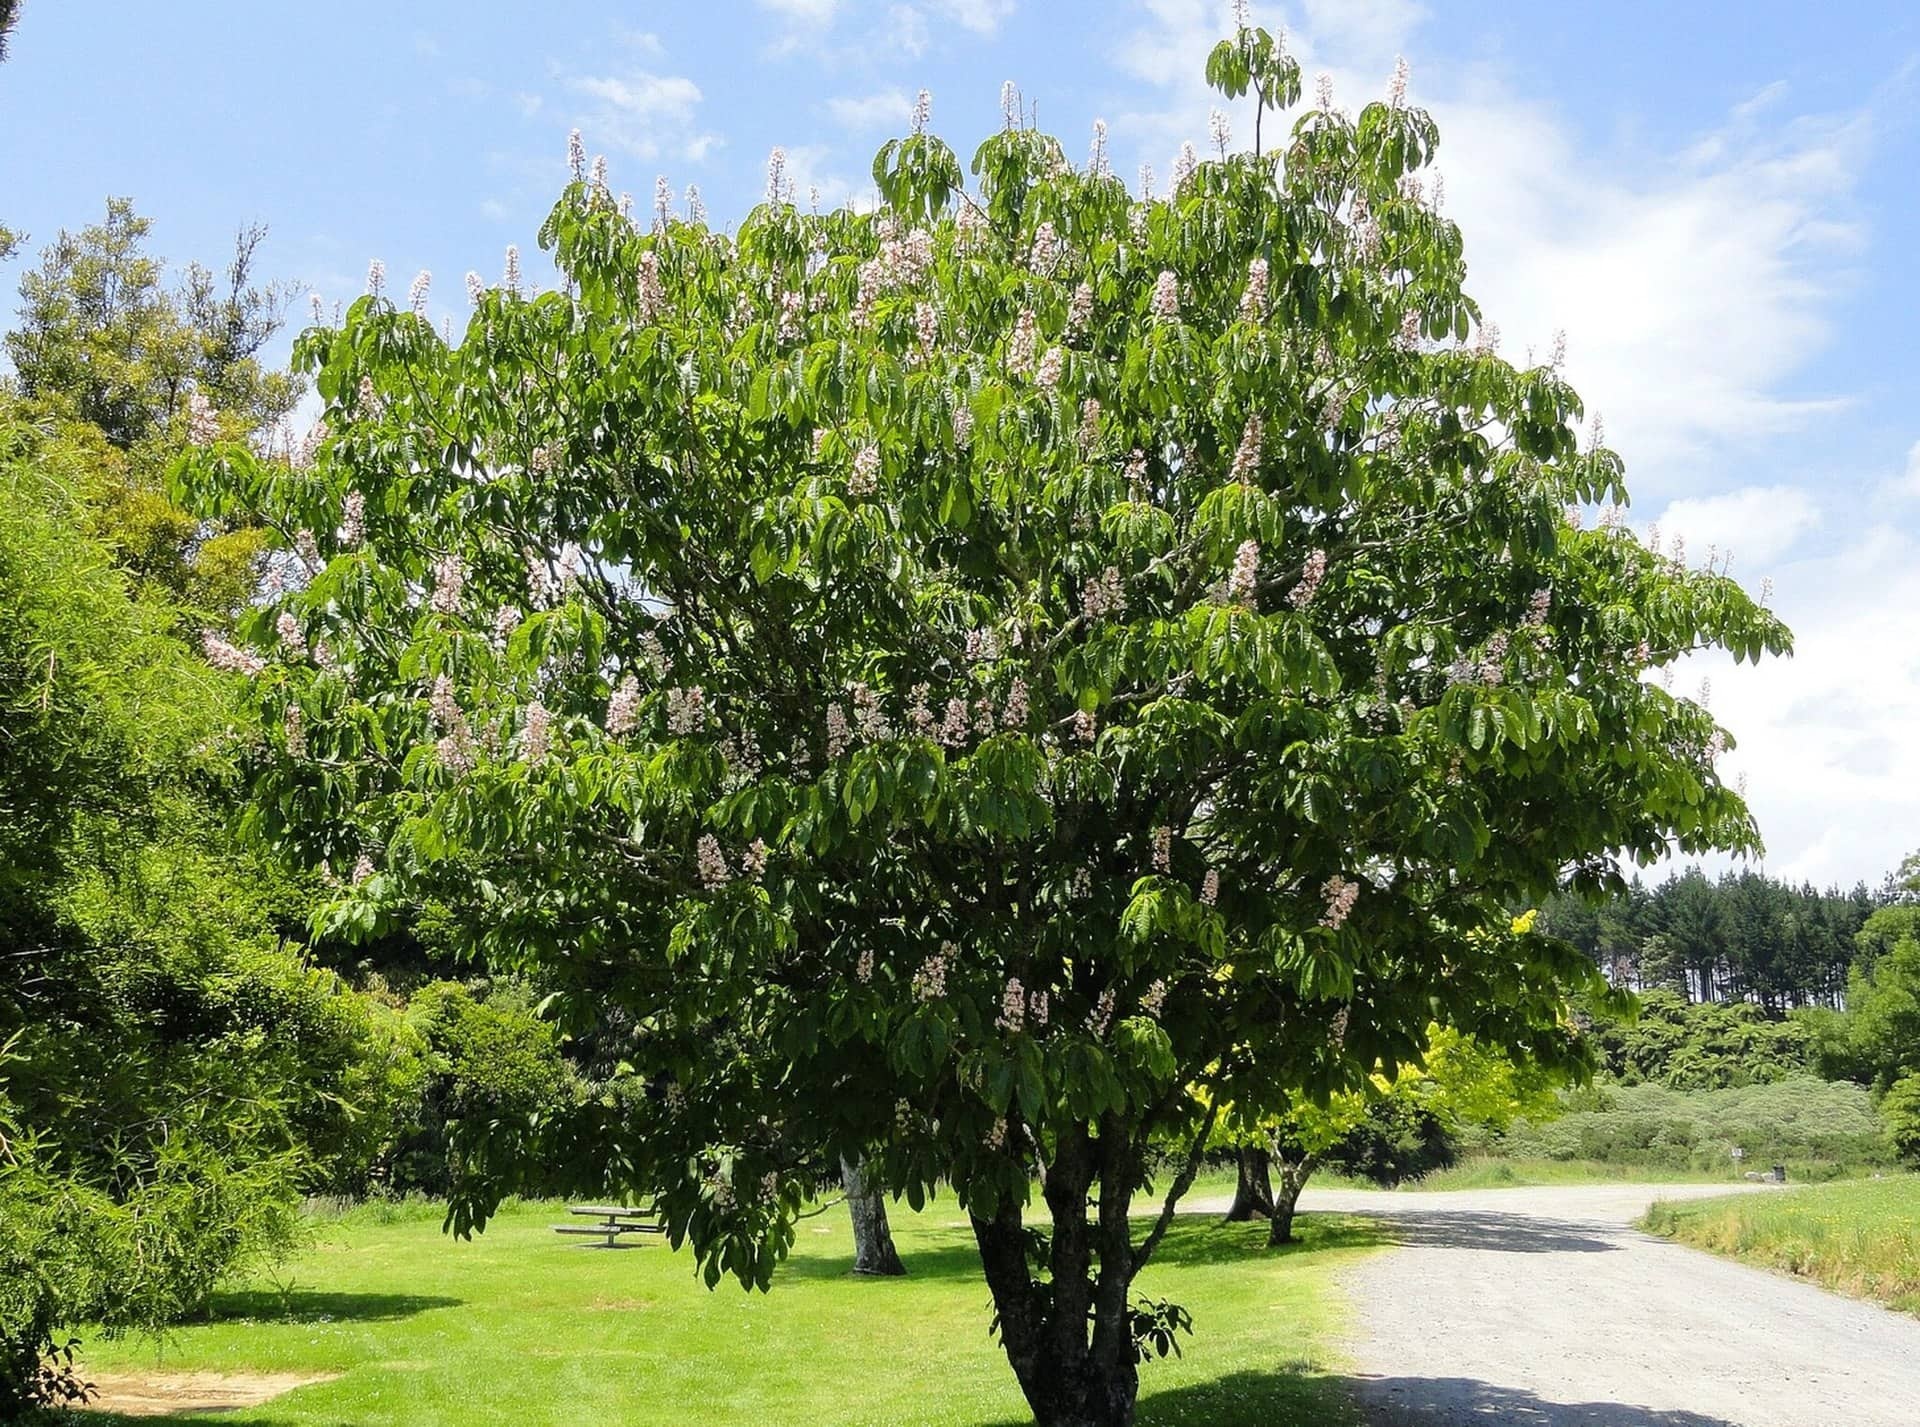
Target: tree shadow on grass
(266,1305)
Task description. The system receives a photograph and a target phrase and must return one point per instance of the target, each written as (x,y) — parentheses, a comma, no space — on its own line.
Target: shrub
(1900,1108)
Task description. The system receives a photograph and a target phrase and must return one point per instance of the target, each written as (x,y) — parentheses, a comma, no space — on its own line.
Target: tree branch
(1182,1182)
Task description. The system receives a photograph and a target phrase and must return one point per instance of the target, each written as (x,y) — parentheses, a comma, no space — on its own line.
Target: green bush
(1900,1108)
(1802,1121)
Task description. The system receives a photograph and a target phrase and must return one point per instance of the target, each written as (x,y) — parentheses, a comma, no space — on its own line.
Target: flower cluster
(1017,710)
(1246,459)
(1245,576)
(863,968)
(203,426)
(1253,298)
(1312,572)
(417,293)
(930,981)
(1013,1007)
(1089,424)
(1162,848)
(1210,888)
(536,732)
(653,295)
(1021,344)
(623,709)
(1044,256)
(449,580)
(1104,595)
(295,723)
(1339,895)
(228,657)
(865,479)
(362,869)
(1079,310)
(686,711)
(1052,365)
(1154,998)
(1101,1016)
(1537,608)
(714,873)
(353,519)
(997,1134)
(1086,724)
(1166,296)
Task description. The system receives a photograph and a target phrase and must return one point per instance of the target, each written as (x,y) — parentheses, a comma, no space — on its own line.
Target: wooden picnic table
(616,1221)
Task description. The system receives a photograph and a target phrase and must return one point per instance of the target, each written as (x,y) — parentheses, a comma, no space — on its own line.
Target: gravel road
(1543,1307)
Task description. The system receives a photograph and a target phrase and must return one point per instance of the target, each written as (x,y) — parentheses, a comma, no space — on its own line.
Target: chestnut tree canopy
(975,683)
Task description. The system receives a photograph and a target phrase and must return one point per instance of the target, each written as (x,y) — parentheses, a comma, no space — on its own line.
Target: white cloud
(871,111)
(983,17)
(493,208)
(528,104)
(1757,524)
(645,114)
(1907,483)
(811,12)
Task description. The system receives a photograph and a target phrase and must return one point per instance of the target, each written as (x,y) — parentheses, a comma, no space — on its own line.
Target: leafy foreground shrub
(1901,1110)
(1818,1126)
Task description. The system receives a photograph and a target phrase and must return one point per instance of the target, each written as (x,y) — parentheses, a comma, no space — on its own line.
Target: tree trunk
(1253,1193)
(1293,1178)
(873,1250)
(1069,1342)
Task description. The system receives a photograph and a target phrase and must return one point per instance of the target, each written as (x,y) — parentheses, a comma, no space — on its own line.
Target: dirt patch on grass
(619,1305)
(165,1394)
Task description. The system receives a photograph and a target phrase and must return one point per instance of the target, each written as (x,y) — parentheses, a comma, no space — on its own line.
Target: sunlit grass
(1861,1238)
(525,1327)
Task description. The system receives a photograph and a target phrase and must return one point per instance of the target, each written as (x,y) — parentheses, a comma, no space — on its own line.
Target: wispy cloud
(645,115)
(870,111)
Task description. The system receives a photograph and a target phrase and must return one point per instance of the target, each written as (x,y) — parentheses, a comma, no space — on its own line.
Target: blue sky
(1714,200)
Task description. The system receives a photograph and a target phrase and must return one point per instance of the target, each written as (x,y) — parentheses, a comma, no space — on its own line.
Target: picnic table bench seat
(615,1221)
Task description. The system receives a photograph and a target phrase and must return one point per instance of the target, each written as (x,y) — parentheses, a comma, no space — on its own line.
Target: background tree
(9,17)
(980,682)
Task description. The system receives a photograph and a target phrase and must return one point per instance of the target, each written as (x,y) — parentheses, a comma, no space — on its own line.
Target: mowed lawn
(522,1326)
(1861,1237)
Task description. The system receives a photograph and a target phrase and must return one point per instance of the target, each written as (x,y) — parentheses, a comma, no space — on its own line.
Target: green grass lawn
(1860,1237)
(523,1326)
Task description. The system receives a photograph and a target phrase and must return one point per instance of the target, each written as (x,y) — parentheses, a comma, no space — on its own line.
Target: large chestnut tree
(973,684)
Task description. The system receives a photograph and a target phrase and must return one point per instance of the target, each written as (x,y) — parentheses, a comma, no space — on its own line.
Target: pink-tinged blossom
(1044,256)
(353,519)
(1537,608)
(955,726)
(536,733)
(1220,131)
(793,313)
(1184,167)
(1089,424)
(1051,366)
(1163,848)
(1323,92)
(317,308)
(863,968)
(868,716)
(1572,516)
(1246,459)
(926,326)
(1040,1009)
(1253,298)
(839,735)
(1705,697)
(654,653)
(455,751)
(1210,888)
(1013,1007)
(1136,473)
(865,479)
(653,296)
(362,869)
(983,646)
(623,709)
(1337,1030)
(1015,714)
(442,706)
(1081,887)
(1021,344)
(376,277)
(1492,671)
(1312,571)
(919,716)
(1010,104)
(777,175)
(996,1139)
(1678,552)
(696,205)
(1397,86)
(1146,183)
(1154,998)
(984,722)
(1740,785)
(203,424)
(1596,433)
(1086,724)
(1101,1016)
(1104,595)
(1241,19)
(1339,895)
(930,981)
(476,288)
(1079,310)
(753,862)
(287,626)
(1166,296)
(600,175)
(1557,358)
(962,423)
(417,293)
(576,156)
(295,723)
(510,279)
(1766,591)
(1098,163)
(922,111)
(1245,576)
(686,711)
(714,873)
(506,619)
(449,580)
